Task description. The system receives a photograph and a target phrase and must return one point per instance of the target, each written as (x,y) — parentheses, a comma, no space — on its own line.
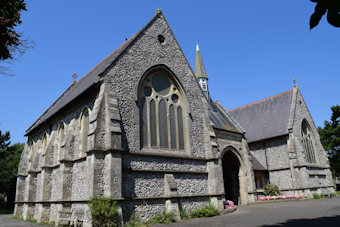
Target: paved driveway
(7,221)
(320,213)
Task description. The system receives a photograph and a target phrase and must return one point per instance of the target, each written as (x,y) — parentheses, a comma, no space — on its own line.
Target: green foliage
(271,190)
(322,6)
(184,214)
(163,218)
(208,211)
(134,222)
(338,192)
(30,220)
(104,212)
(330,139)
(317,196)
(4,140)
(332,195)
(10,17)
(7,211)
(9,161)
(18,218)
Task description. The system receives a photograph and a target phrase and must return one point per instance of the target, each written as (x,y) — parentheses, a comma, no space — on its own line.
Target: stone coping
(163,171)
(124,199)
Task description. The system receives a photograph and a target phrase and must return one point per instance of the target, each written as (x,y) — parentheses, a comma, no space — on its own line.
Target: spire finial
(74,75)
(197,47)
(159,10)
(294,82)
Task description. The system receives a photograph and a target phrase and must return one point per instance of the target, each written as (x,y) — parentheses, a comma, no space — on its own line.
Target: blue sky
(251,50)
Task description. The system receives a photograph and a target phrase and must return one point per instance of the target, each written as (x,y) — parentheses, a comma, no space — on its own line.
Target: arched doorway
(231,170)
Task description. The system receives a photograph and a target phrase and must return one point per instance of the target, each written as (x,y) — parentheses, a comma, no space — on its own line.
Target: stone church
(141,128)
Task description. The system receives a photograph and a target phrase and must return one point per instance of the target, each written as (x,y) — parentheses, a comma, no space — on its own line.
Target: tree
(330,139)
(10,17)
(9,161)
(332,7)
(4,140)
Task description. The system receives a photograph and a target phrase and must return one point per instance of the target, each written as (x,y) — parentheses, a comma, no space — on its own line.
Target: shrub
(104,212)
(163,218)
(134,222)
(317,196)
(207,211)
(332,195)
(271,190)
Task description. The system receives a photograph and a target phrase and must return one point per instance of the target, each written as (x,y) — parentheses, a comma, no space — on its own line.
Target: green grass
(338,192)
(30,220)
(18,218)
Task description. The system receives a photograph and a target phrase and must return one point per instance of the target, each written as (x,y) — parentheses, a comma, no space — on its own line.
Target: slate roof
(257,165)
(266,118)
(221,119)
(86,82)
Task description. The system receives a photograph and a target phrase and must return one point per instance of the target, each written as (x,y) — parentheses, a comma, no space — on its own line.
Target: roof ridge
(259,101)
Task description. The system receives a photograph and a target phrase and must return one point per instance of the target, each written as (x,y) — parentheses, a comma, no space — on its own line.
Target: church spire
(200,73)
(199,67)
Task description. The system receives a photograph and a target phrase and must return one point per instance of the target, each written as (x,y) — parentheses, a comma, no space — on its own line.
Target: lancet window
(85,121)
(161,112)
(307,141)
(61,136)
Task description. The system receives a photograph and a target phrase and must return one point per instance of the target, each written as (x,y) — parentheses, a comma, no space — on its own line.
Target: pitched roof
(221,118)
(87,81)
(266,118)
(257,164)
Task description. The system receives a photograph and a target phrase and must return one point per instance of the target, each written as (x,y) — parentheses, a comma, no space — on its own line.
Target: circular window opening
(161,39)
(161,84)
(174,98)
(147,91)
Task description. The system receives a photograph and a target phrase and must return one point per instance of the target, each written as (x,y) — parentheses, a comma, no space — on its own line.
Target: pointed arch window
(61,136)
(44,142)
(85,121)
(307,141)
(161,113)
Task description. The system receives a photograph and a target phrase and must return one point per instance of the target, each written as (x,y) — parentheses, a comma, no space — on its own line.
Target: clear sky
(251,50)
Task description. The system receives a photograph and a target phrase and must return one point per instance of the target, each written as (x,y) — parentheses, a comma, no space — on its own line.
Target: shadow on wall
(323,221)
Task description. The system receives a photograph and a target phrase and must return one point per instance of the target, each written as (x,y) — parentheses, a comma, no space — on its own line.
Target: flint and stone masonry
(104,136)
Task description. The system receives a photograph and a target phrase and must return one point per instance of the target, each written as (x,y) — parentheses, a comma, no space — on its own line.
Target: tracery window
(61,136)
(161,113)
(307,141)
(85,121)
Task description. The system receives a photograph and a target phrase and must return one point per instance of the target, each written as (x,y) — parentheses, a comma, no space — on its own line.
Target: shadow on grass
(323,221)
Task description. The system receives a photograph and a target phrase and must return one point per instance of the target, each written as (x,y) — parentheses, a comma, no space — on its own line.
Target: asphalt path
(6,220)
(320,213)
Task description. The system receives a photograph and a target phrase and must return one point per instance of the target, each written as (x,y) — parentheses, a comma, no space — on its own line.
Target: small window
(307,141)
(84,130)
(61,136)
(161,113)
(44,144)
